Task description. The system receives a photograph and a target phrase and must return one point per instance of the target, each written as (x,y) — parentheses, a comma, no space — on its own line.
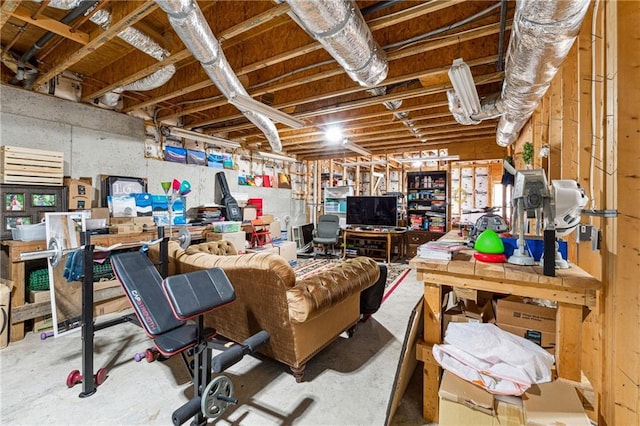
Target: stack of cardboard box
(554,403)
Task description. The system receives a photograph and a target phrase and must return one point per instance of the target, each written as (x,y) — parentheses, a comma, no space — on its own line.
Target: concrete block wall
(101,142)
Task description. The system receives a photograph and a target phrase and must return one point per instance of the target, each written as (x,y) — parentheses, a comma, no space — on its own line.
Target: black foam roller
(188,410)
(226,359)
(257,340)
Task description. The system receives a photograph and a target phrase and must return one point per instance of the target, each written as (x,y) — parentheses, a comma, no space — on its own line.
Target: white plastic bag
(500,362)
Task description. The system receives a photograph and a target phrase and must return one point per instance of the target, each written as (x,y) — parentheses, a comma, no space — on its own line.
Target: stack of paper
(439,250)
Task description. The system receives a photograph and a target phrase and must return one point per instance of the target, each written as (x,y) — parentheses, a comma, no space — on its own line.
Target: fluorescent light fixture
(464,86)
(251,104)
(201,137)
(276,156)
(441,158)
(355,148)
(363,163)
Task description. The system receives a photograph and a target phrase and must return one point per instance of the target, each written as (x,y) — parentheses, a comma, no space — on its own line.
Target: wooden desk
(572,288)
(386,237)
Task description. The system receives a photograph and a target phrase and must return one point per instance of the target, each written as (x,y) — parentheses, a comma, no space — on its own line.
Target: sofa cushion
(219,248)
(314,294)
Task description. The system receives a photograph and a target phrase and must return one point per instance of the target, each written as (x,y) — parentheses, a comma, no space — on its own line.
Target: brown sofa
(301,316)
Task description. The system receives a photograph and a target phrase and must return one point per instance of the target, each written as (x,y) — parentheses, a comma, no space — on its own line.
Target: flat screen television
(372,211)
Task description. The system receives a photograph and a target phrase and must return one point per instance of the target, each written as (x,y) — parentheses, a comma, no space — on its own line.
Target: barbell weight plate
(56,257)
(184,237)
(212,407)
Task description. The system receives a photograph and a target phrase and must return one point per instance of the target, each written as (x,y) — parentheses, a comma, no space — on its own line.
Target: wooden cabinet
(416,238)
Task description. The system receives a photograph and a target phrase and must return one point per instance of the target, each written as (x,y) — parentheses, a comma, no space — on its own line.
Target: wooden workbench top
(572,285)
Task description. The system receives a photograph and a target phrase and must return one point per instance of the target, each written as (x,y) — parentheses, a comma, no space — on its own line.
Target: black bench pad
(198,292)
(142,283)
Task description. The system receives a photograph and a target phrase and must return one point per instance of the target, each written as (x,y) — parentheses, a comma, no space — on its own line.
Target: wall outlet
(595,239)
(584,233)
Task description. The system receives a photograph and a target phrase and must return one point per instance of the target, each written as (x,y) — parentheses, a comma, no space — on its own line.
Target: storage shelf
(427,201)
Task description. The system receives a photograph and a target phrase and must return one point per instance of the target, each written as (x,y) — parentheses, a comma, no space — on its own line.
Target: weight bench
(163,308)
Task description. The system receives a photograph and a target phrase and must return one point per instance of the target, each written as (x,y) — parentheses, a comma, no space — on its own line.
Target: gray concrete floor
(348,383)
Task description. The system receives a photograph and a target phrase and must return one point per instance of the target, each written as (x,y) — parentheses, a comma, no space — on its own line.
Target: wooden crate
(31,166)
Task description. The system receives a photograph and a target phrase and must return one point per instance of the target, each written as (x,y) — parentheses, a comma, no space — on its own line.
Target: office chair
(327,232)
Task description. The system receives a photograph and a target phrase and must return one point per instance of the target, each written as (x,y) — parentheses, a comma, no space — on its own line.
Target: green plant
(527,152)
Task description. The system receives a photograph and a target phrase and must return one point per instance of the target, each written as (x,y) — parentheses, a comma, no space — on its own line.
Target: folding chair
(260,234)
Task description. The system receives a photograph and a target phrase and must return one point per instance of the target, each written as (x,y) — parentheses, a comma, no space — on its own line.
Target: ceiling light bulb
(334,134)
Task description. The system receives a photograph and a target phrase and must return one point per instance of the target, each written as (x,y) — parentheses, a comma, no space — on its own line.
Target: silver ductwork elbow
(542,34)
(135,38)
(188,22)
(339,26)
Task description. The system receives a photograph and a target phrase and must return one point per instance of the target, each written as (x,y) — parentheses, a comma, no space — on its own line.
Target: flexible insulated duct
(188,22)
(145,44)
(542,35)
(339,26)
(136,39)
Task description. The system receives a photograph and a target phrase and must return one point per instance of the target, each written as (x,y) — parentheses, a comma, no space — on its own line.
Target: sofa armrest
(313,295)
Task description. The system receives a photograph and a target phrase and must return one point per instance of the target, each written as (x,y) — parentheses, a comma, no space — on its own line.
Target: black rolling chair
(327,233)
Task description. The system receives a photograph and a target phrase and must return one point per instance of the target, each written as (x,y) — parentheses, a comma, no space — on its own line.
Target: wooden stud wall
(603,156)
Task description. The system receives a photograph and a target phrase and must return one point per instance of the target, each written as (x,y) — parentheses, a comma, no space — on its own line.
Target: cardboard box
(463,403)
(514,312)
(275,230)
(249,213)
(478,296)
(79,194)
(287,249)
(468,311)
(267,218)
(268,248)
(100,213)
(554,403)
(117,304)
(44,323)
(121,221)
(236,238)
(541,338)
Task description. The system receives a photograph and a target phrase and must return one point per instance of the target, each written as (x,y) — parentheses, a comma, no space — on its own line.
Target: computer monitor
(304,238)
(372,211)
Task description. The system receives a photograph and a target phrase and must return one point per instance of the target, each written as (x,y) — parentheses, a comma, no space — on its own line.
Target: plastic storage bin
(226,226)
(29,232)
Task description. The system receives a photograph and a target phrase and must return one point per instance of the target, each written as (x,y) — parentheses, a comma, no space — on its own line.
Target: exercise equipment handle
(257,340)
(233,354)
(226,359)
(189,409)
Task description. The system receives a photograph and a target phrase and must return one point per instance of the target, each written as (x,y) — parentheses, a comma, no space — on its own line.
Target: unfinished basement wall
(589,120)
(100,142)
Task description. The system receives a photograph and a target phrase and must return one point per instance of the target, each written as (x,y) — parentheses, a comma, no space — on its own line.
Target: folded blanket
(499,362)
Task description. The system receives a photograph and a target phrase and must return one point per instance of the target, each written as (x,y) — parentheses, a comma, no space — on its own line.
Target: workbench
(573,289)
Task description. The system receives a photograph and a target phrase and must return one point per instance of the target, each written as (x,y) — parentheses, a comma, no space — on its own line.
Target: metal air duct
(188,22)
(542,35)
(133,37)
(339,26)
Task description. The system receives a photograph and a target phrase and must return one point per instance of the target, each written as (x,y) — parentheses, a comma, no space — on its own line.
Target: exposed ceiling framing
(279,64)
